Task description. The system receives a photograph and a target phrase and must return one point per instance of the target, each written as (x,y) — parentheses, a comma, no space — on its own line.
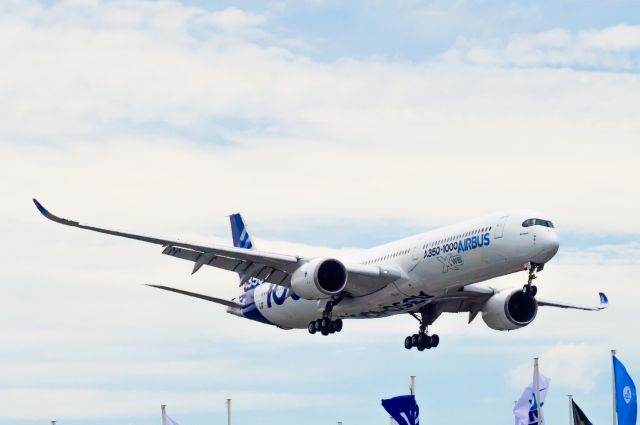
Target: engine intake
(319,278)
(509,310)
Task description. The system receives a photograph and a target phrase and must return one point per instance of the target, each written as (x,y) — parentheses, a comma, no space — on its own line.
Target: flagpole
(412,385)
(228,411)
(536,375)
(570,397)
(163,408)
(613,385)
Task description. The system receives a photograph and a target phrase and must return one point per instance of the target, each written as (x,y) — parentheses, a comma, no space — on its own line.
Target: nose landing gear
(422,340)
(529,288)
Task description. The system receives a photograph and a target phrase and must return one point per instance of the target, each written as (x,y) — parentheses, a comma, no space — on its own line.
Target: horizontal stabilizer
(204,297)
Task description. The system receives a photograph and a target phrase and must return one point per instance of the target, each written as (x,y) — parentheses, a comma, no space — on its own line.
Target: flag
(526,408)
(579,418)
(403,409)
(626,400)
(171,421)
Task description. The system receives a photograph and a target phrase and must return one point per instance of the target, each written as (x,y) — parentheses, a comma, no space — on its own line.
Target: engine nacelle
(509,310)
(319,278)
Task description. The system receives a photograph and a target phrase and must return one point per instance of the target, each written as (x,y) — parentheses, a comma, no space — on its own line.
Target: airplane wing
(472,298)
(604,303)
(265,266)
(270,267)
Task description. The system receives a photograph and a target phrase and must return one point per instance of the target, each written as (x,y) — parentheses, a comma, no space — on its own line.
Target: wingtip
(40,208)
(604,301)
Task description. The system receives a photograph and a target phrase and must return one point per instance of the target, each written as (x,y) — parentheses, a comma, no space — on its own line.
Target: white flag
(526,409)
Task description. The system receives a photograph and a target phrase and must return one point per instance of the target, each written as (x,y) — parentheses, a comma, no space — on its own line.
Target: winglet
(604,301)
(52,217)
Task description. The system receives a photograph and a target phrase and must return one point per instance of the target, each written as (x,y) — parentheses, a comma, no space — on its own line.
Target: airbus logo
(626,394)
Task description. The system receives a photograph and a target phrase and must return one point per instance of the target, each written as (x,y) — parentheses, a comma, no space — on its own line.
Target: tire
(338,325)
(534,291)
(421,347)
(414,340)
(325,323)
(435,340)
(407,343)
(332,328)
(318,324)
(324,331)
(422,339)
(312,328)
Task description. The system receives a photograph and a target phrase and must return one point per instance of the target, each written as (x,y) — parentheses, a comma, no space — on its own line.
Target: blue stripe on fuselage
(251,310)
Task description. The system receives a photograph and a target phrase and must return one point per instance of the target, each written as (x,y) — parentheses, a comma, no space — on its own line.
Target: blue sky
(332,127)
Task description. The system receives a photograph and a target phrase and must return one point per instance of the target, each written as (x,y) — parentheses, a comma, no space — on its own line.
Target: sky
(332,126)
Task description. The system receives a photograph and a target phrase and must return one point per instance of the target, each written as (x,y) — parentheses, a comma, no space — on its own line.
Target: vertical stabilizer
(241,237)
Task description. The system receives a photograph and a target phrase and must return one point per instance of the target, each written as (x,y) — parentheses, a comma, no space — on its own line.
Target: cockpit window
(537,222)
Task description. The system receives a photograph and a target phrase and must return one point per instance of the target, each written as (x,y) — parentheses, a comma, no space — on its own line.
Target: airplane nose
(548,243)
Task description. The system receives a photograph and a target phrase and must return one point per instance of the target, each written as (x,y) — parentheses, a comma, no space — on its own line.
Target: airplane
(439,271)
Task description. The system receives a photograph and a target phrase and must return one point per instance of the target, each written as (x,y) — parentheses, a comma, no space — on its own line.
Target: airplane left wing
(472,299)
(604,303)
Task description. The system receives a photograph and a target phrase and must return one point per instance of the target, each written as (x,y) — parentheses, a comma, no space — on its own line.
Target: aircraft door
(416,253)
(499,230)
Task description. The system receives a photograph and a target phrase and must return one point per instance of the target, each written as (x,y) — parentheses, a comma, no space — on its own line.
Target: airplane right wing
(270,267)
(264,266)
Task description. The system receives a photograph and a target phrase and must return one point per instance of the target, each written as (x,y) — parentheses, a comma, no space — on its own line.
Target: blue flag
(626,400)
(403,409)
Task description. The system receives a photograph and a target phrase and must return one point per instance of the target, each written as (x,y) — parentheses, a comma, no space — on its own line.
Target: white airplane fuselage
(432,264)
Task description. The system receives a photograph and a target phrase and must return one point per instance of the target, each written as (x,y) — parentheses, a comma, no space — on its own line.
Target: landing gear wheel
(312,328)
(422,339)
(414,340)
(407,343)
(531,290)
(325,322)
(338,325)
(325,331)
(434,340)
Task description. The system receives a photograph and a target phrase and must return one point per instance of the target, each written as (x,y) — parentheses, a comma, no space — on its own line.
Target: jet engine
(509,310)
(319,278)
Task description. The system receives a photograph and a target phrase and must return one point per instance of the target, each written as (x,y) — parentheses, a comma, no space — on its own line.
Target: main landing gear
(326,326)
(530,289)
(422,340)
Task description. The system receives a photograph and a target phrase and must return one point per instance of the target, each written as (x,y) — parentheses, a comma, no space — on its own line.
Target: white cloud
(616,47)
(571,366)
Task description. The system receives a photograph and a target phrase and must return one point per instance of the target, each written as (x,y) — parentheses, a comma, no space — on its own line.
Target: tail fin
(241,237)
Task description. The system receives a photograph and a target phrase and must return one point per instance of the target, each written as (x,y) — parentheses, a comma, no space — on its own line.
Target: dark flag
(579,418)
(403,409)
